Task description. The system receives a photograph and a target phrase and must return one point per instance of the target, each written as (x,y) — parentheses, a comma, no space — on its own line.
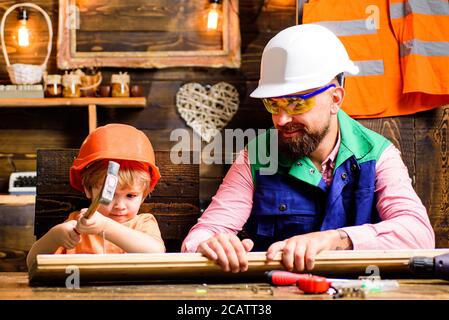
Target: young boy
(114,228)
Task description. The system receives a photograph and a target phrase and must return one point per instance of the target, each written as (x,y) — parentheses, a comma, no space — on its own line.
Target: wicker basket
(20,73)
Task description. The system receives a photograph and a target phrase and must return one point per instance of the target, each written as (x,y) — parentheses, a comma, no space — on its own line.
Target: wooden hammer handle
(93,207)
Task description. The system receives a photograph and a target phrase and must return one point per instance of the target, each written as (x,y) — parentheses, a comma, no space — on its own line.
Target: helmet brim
(270,90)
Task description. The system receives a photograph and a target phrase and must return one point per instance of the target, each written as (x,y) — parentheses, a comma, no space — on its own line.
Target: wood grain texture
(143,41)
(16,234)
(194,266)
(14,286)
(432,169)
(169,35)
(136,15)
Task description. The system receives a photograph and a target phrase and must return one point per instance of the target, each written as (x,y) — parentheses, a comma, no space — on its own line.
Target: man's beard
(303,144)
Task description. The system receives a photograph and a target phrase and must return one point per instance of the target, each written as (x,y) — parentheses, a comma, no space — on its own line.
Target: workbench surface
(14,286)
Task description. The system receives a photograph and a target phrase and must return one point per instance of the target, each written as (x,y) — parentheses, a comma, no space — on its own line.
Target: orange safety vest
(374,33)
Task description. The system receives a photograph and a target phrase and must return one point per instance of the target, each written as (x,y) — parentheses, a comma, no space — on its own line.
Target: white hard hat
(299,58)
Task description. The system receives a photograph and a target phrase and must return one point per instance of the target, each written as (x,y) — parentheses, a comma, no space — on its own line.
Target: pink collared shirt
(328,164)
(404,225)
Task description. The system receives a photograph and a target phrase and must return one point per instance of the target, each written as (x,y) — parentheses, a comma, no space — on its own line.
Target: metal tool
(306,282)
(107,192)
(437,266)
(309,283)
(254,288)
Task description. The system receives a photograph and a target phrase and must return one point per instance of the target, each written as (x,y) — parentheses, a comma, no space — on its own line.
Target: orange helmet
(115,142)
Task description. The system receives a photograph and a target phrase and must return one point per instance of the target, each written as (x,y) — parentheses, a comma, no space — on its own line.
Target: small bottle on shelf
(72,84)
(120,85)
(53,87)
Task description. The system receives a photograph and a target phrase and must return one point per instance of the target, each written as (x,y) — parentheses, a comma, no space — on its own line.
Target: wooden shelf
(91,103)
(22,200)
(57,102)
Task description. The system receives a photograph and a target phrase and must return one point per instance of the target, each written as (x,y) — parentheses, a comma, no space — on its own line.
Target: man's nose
(283,118)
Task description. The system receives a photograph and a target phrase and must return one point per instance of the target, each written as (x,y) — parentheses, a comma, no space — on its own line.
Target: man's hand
(64,234)
(96,224)
(299,252)
(228,251)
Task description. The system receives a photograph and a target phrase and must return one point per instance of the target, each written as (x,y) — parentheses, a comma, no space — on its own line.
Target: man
(338,184)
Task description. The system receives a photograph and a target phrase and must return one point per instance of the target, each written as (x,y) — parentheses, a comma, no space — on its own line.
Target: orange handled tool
(306,282)
(314,284)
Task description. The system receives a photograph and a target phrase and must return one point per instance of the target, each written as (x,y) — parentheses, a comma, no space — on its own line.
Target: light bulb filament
(212,17)
(23,34)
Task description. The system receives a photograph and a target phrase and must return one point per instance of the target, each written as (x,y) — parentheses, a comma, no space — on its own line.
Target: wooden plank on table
(194,266)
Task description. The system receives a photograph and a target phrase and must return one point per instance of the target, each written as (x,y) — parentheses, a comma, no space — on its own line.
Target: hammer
(107,192)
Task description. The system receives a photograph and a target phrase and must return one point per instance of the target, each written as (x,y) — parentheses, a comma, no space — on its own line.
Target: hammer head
(110,184)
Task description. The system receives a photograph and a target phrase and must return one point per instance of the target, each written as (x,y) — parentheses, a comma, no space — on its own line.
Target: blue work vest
(296,200)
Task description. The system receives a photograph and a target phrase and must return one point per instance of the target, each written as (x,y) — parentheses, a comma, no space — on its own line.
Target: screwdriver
(306,282)
(309,283)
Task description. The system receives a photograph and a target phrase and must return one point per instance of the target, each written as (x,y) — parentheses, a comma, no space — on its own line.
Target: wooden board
(182,267)
(165,33)
(75,102)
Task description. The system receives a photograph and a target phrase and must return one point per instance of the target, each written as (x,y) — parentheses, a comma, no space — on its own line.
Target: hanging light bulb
(23,33)
(213,15)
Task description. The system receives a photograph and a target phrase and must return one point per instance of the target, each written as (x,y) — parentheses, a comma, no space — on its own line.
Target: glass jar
(72,84)
(90,83)
(120,85)
(53,87)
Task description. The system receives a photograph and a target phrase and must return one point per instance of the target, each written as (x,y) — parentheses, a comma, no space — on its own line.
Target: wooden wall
(422,138)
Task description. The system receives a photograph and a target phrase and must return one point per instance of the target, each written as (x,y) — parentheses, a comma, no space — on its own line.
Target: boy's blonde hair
(131,174)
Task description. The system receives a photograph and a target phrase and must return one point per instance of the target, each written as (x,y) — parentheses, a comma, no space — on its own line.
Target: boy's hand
(66,235)
(94,225)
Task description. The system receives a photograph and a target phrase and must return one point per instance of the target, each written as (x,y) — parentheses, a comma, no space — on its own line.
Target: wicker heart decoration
(207,110)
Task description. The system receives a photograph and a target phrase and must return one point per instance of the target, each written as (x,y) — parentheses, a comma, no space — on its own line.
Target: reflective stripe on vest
(390,65)
(352,28)
(370,68)
(430,7)
(418,46)
(360,35)
(421,28)
(348,27)
(424,48)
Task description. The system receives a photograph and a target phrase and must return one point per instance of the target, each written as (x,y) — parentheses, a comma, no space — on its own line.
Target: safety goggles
(294,104)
